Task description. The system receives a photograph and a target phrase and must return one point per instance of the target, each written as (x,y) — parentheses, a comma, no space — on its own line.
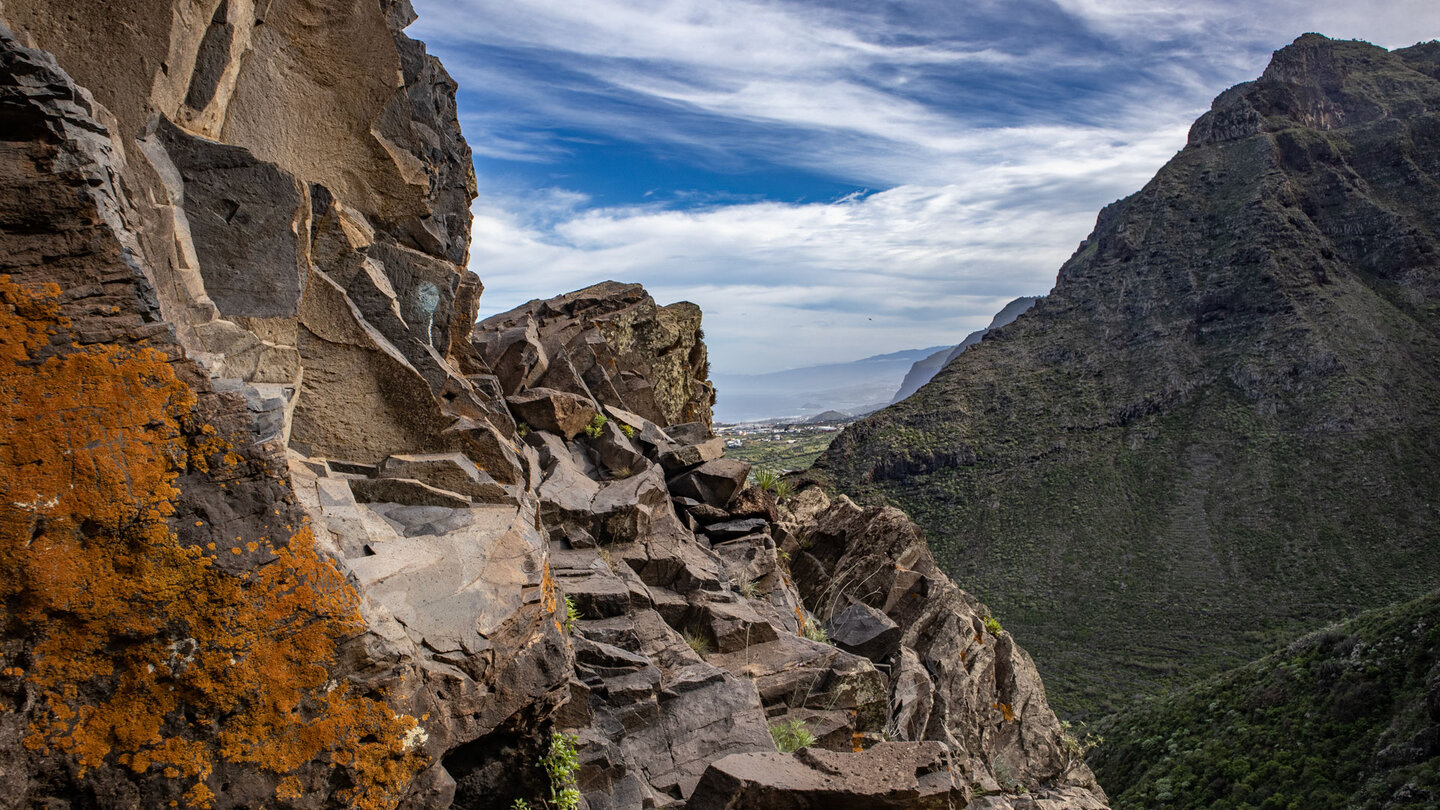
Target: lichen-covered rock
(159,568)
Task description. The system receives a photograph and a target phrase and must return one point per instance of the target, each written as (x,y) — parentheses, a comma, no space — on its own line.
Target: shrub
(596,426)
(560,763)
(572,615)
(791,735)
(1076,743)
(993,625)
(765,479)
(815,631)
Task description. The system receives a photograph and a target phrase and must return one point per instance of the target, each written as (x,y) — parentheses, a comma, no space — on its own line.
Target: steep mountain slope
(1346,717)
(1220,428)
(925,370)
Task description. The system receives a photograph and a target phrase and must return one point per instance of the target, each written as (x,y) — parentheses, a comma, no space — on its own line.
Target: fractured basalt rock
(615,346)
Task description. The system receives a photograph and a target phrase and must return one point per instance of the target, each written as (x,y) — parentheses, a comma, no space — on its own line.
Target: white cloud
(911,266)
(981,206)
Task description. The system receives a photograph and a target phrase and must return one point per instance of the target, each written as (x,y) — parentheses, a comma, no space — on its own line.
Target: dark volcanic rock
(865,631)
(272,536)
(1238,369)
(714,482)
(553,411)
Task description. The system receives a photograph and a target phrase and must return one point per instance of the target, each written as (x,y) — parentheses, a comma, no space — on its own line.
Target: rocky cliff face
(283,528)
(1219,428)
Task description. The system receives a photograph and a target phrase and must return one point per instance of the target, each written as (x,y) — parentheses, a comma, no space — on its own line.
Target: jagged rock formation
(1221,424)
(692,635)
(925,370)
(1348,716)
(284,528)
(608,341)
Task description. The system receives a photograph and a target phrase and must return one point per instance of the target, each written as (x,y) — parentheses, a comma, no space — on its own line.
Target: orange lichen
(1006,711)
(142,652)
(549,599)
(289,788)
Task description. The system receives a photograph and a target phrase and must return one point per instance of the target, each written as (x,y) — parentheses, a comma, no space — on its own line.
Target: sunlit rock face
(283,527)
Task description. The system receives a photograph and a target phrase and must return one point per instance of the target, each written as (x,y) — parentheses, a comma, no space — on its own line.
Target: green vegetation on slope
(1222,428)
(791,451)
(1345,717)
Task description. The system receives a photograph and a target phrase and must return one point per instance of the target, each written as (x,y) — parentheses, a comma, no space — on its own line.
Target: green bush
(791,735)
(993,625)
(596,426)
(560,763)
(572,615)
(815,631)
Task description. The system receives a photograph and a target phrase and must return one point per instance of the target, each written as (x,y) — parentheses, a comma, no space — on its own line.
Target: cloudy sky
(832,179)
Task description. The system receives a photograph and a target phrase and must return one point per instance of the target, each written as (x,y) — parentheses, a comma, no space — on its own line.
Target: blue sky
(835,179)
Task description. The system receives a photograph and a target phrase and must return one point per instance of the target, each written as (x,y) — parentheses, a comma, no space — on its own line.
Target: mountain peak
(1323,84)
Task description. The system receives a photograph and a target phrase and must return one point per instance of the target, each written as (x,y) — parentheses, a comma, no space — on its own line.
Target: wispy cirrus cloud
(709,150)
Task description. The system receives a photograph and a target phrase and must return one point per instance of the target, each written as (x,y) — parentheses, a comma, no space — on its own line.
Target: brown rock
(555,411)
(890,775)
(754,502)
(406,491)
(454,472)
(685,456)
(865,631)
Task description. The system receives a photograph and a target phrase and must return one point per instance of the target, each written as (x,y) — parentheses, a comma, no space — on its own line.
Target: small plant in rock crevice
(791,735)
(596,426)
(697,642)
(747,588)
(815,631)
(561,763)
(572,616)
(627,430)
(992,624)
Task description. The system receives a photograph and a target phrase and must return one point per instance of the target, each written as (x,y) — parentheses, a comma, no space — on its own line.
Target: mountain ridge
(1224,412)
(925,369)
